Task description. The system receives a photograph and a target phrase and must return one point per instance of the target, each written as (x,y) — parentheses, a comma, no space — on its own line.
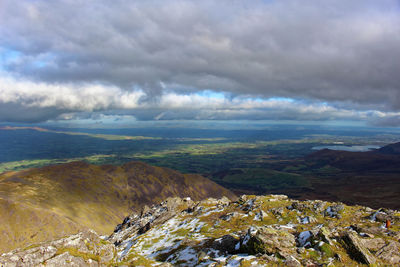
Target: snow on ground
(162,239)
(210,211)
(235,260)
(180,240)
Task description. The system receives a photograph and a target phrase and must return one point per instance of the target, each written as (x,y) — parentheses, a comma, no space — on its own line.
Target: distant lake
(348,148)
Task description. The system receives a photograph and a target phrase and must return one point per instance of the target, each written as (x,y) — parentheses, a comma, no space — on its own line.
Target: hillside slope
(270,230)
(54,201)
(367,178)
(392,149)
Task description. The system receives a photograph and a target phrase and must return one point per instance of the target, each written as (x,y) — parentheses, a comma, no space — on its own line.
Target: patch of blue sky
(211,94)
(283,99)
(43,60)
(39,63)
(7,56)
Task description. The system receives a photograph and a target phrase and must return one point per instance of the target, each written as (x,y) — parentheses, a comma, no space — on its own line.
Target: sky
(155,60)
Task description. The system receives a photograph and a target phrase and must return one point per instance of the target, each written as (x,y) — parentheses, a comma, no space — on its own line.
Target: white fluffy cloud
(38,101)
(337,58)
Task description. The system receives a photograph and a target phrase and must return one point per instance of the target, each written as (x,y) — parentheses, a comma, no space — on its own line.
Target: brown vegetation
(54,201)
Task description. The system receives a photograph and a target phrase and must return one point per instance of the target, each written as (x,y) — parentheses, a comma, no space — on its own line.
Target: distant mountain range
(391,149)
(386,158)
(368,178)
(54,201)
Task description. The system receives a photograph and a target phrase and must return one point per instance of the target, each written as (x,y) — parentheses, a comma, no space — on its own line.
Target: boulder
(300,206)
(249,205)
(139,224)
(373,244)
(66,260)
(324,235)
(226,244)
(267,240)
(260,215)
(356,249)
(229,216)
(390,253)
(307,219)
(83,249)
(334,211)
(305,239)
(278,212)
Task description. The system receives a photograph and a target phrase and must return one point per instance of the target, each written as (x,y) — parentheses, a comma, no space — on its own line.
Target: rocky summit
(270,230)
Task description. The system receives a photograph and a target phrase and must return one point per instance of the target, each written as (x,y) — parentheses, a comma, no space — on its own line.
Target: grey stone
(267,240)
(390,253)
(226,244)
(356,249)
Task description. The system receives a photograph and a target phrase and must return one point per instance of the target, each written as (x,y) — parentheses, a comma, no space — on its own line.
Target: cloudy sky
(300,60)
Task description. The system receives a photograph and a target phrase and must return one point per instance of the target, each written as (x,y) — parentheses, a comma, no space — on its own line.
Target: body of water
(363,148)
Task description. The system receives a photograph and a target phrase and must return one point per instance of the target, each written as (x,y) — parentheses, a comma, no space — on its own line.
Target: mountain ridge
(78,196)
(270,230)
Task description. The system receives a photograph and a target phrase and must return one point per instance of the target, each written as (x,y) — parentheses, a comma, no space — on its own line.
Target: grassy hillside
(54,201)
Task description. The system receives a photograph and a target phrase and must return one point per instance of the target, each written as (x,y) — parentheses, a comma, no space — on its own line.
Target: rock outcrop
(83,249)
(252,231)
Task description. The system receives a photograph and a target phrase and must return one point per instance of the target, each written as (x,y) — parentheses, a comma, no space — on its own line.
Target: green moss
(181,232)
(313,254)
(76,253)
(104,242)
(205,229)
(134,259)
(326,249)
(32,246)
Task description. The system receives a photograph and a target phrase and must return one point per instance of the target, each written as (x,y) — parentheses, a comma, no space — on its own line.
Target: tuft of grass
(76,253)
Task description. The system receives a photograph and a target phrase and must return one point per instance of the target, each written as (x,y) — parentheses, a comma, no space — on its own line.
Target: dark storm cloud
(15,112)
(342,51)
(387,121)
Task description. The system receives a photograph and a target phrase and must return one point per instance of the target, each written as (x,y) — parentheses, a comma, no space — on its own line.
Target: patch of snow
(220,259)
(259,216)
(252,231)
(287,226)
(161,238)
(188,256)
(127,246)
(373,217)
(251,202)
(246,239)
(330,212)
(237,246)
(304,220)
(212,210)
(235,260)
(233,263)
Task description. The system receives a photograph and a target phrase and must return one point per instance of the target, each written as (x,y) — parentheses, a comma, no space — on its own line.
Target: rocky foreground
(253,231)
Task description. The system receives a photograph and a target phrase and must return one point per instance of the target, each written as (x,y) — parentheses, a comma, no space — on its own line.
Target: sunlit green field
(258,161)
